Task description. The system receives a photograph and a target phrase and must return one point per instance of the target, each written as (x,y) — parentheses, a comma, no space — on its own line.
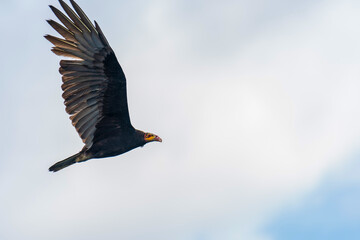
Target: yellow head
(149,137)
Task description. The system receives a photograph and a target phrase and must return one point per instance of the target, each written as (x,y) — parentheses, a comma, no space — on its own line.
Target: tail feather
(64,163)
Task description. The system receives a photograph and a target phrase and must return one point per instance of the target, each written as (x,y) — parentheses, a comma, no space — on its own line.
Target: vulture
(94,88)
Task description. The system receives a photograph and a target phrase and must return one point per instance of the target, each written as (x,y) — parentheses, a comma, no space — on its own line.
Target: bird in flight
(94,89)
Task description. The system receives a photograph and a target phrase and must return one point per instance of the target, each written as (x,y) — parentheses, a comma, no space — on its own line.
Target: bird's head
(149,137)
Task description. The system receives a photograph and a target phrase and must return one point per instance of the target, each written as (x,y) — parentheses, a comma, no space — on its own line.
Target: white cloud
(244,134)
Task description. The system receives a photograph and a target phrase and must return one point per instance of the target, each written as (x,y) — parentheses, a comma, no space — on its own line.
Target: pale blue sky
(329,212)
(257,103)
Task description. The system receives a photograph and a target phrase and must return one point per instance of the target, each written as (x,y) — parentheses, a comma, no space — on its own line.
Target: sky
(256,102)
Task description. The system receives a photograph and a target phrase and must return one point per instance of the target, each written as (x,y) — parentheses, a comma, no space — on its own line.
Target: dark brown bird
(94,88)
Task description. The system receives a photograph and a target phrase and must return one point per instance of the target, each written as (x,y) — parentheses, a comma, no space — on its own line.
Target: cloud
(245,133)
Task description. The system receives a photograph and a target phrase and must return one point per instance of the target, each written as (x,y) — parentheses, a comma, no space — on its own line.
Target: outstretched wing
(94,84)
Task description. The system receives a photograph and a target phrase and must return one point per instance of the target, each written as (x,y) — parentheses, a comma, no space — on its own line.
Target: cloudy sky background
(257,103)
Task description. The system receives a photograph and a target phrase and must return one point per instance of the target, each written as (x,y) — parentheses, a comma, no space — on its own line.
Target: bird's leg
(83,157)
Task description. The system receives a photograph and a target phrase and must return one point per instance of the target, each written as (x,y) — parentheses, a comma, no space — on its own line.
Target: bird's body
(109,147)
(94,88)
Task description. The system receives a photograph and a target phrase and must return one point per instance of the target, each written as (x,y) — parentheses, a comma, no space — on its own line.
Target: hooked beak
(152,138)
(158,139)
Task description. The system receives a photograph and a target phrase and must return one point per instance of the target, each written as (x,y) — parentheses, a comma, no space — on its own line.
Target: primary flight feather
(94,89)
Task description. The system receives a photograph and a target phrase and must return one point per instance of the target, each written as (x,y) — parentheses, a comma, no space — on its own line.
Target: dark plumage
(94,88)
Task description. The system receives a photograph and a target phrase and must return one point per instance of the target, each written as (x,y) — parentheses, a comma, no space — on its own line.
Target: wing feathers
(65,20)
(81,89)
(74,85)
(62,30)
(101,35)
(64,53)
(74,52)
(87,79)
(74,17)
(78,106)
(76,99)
(77,68)
(83,113)
(87,124)
(61,42)
(83,16)
(96,40)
